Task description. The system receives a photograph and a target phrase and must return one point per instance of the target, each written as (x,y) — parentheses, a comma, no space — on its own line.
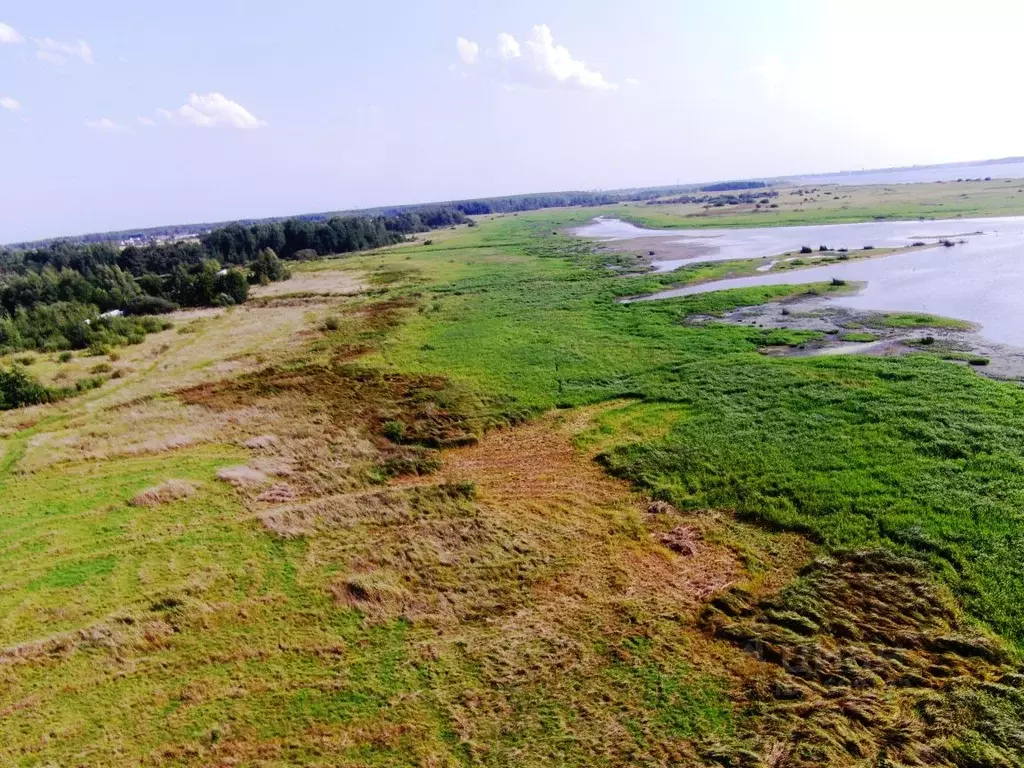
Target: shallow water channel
(980,280)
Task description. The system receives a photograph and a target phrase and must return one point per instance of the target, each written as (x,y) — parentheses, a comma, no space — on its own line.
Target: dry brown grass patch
(165,493)
(262,442)
(278,493)
(324,282)
(242,476)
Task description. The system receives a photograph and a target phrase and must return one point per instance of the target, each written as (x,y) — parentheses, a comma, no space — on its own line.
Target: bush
(234,284)
(151,305)
(25,360)
(806,249)
(393,431)
(332,323)
(266,268)
(18,389)
(84,385)
(65,356)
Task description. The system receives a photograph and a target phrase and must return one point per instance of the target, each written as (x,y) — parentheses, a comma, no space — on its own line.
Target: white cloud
(207,110)
(9,34)
(508,47)
(146,121)
(632,82)
(467,50)
(555,61)
(106,125)
(538,62)
(56,52)
(6,102)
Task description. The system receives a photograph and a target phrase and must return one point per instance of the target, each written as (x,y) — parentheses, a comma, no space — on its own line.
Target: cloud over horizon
(57,53)
(6,102)
(537,62)
(106,125)
(467,50)
(9,34)
(207,110)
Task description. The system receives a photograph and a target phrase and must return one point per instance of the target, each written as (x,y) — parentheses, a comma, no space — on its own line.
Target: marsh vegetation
(482,513)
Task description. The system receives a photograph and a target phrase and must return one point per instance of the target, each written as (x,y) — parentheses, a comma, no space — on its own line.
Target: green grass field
(852,451)
(831,204)
(529,602)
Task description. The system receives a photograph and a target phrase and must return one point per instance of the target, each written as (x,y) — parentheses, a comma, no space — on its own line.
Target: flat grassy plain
(834,204)
(480,513)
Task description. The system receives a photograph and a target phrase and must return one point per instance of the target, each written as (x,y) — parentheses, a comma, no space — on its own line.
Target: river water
(980,280)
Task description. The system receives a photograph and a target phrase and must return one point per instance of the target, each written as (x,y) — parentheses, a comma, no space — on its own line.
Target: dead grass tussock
(380,590)
(285,524)
(113,636)
(278,493)
(262,443)
(242,476)
(165,493)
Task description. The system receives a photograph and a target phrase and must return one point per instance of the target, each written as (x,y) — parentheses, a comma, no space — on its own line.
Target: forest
(396,218)
(81,295)
(731,186)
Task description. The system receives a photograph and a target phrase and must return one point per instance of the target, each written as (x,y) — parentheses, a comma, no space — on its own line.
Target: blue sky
(118,114)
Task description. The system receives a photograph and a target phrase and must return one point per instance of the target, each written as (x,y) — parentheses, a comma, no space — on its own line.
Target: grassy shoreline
(483,514)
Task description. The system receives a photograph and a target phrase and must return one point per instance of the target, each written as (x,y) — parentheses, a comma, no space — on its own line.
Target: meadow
(459,506)
(836,204)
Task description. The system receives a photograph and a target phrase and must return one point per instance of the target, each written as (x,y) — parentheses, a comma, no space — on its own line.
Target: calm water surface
(1005,170)
(981,280)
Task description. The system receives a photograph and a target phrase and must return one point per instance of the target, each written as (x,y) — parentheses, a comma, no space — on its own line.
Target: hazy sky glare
(272,108)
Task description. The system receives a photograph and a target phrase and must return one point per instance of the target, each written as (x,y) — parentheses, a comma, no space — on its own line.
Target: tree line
(731,186)
(301,238)
(74,295)
(397,219)
(760,197)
